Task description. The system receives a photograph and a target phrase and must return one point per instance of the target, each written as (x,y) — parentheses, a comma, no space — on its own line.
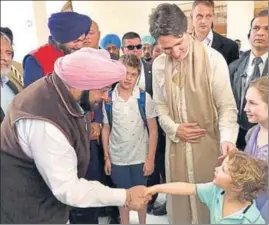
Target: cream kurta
(225,109)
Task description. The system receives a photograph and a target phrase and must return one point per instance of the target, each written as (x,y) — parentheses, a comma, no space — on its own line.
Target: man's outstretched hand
(136,199)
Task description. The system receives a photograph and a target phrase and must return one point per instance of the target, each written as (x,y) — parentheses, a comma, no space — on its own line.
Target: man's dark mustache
(85,103)
(67,50)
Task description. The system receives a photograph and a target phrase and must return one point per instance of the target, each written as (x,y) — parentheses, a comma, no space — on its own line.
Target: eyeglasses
(132,47)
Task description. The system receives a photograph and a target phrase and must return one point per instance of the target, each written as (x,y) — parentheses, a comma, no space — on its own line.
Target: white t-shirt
(128,141)
(141,79)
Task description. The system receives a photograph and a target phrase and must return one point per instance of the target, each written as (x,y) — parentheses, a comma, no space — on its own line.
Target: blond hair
(261,84)
(248,173)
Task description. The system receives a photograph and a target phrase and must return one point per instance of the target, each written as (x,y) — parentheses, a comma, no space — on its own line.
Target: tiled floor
(150,218)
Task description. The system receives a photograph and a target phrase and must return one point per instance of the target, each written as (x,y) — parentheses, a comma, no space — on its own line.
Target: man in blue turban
(112,43)
(67,34)
(147,42)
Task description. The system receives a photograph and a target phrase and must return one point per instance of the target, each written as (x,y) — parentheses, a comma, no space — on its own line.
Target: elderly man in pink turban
(45,144)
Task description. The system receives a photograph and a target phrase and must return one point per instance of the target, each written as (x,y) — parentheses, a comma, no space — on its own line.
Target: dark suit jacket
(148,76)
(225,46)
(237,71)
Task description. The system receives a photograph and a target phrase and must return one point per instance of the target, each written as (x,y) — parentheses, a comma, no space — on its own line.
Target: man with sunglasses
(131,44)
(67,33)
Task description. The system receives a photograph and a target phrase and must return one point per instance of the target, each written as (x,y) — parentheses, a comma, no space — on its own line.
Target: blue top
(32,70)
(212,196)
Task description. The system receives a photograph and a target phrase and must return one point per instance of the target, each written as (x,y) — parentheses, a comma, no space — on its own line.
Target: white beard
(5,71)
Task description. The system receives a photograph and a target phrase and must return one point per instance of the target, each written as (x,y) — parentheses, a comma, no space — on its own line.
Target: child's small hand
(148,167)
(150,191)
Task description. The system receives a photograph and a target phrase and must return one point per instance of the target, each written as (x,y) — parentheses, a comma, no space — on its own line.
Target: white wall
(123,16)
(239,15)
(40,22)
(112,16)
(19,17)
(120,16)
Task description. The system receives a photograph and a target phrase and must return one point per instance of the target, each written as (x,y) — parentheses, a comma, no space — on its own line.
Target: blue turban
(68,26)
(110,39)
(148,40)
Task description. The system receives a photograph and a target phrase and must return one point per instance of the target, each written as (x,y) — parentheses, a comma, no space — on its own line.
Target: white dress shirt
(141,81)
(56,161)
(209,39)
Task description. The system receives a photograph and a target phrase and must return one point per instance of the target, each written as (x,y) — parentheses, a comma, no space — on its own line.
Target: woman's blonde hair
(248,173)
(261,84)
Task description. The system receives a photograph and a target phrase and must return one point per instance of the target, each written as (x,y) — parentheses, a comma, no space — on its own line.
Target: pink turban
(89,69)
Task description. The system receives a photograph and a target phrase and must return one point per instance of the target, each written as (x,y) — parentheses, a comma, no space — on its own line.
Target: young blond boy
(229,197)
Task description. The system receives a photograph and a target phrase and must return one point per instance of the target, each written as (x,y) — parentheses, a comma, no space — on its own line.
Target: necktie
(256,72)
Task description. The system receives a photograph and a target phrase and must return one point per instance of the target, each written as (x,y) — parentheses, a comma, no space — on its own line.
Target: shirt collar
(250,213)
(116,96)
(252,57)
(209,38)
(4,80)
(80,109)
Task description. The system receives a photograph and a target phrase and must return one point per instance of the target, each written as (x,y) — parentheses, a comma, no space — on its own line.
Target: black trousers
(94,172)
(112,211)
(84,216)
(158,175)
(241,142)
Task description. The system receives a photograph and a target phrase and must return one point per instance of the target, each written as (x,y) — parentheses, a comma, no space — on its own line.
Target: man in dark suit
(131,44)
(251,65)
(202,17)
(238,42)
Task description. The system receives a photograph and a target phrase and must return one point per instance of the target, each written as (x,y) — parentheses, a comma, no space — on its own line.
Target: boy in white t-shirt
(129,134)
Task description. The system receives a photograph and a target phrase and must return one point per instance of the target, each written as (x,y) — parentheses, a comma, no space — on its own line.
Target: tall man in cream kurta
(196,109)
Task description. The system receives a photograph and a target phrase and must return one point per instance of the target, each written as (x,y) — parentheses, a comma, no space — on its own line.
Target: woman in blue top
(257,138)
(230,196)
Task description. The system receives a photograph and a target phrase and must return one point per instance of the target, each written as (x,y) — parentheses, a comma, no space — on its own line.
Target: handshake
(138,197)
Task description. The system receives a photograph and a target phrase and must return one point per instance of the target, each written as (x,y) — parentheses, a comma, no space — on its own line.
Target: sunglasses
(132,47)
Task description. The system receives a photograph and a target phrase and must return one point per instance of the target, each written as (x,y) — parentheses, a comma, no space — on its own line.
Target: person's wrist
(150,158)
(106,157)
(128,198)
